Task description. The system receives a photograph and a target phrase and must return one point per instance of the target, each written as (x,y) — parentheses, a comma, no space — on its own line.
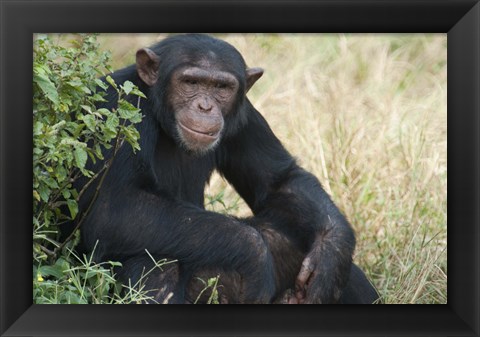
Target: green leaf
(62,264)
(91,154)
(110,80)
(126,110)
(61,173)
(76,83)
(47,87)
(44,192)
(86,90)
(98,151)
(131,136)
(66,193)
(101,84)
(112,122)
(72,207)
(90,122)
(98,98)
(37,151)
(137,92)
(51,182)
(72,298)
(104,111)
(127,87)
(37,128)
(86,108)
(137,118)
(54,271)
(36,195)
(80,157)
(115,263)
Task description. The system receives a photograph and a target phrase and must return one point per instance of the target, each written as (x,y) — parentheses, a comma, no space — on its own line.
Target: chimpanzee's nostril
(205,105)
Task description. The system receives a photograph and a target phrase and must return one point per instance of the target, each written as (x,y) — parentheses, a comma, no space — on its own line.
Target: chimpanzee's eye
(220,85)
(191,82)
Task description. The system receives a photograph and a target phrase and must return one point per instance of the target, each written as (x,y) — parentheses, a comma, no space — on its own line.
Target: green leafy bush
(69,132)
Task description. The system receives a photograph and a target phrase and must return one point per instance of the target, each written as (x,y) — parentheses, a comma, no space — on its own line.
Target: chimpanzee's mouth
(210,134)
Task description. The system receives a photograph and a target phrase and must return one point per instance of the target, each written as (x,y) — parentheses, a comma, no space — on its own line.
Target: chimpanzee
(197,119)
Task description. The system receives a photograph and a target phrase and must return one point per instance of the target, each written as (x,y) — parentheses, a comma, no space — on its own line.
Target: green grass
(367,115)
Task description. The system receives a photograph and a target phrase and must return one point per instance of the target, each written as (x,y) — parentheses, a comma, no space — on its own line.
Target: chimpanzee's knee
(157,283)
(358,290)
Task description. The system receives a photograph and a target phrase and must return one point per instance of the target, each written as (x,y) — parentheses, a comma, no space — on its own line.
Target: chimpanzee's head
(199,83)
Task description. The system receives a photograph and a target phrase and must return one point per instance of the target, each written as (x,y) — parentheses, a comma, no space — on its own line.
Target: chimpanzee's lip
(211,135)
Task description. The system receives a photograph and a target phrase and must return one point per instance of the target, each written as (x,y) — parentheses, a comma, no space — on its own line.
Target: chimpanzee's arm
(292,200)
(164,226)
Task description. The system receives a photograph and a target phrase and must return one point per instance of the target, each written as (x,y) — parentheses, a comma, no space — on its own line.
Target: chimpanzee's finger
(305,273)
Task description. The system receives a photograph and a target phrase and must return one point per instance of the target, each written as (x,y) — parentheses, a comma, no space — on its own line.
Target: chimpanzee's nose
(205,105)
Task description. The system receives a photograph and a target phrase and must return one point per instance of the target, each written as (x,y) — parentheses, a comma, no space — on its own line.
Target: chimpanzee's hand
(321,277)
(257,272)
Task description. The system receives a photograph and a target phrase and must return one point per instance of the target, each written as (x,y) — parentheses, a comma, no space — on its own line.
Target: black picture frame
(20,19)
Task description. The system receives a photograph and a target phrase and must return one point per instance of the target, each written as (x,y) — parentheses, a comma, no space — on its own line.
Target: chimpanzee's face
(200,92)
(201,96)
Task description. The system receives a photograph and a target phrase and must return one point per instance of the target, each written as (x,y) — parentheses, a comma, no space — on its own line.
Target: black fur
(154,200)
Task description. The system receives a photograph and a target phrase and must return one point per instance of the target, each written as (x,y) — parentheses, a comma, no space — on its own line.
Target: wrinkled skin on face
(201,97)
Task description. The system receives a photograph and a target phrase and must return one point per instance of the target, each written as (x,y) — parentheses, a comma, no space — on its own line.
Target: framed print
(457,311)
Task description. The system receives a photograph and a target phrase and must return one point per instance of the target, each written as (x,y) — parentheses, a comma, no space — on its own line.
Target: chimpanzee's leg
(359,290)
(163,284)
(171,284)
(229,287)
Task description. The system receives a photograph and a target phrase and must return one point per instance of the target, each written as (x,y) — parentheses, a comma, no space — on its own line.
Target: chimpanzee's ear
(147,66)
(253,74)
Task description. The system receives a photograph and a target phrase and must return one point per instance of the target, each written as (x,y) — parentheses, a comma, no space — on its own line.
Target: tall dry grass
(367,115)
